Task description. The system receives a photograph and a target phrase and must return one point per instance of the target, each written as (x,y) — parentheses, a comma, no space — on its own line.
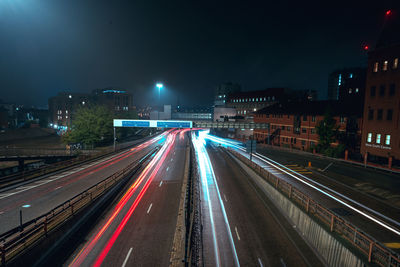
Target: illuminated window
(255,109)
(387,139)
(244,112)
(265,99)
(378,138)
(357,90)
(66,112)
(342,119)
(70,96)
(376,65)
(350,91)
(395,63)
(312,130)
(351,75)
(369,138)
(385,65)
(340,79)
(253,99)
(313,118)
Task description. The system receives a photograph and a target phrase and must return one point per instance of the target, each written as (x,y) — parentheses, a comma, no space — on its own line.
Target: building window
(312,130)
(265,99)
(340,79)
(304,117)
(378,138)
(392,89)
(370,114)
(303,130)
(373,91)
(303,142)
(313,118)
(288,128)
(382,90)
(395,63)
(341,119)
(380,113)
(283,127)
(387,139)
(376,66)
(389,114)
(351,75)
(357,90)
(369,138)
(385,65)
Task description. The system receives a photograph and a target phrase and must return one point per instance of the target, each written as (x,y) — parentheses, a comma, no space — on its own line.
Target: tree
(91,125)
(327,131)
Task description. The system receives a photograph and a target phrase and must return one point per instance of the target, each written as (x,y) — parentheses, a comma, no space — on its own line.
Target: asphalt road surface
(47,192)
(261,235)
(139,229)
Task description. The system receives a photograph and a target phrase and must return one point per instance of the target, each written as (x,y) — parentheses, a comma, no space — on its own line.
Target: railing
(14,241)
(361,241)
(30,174)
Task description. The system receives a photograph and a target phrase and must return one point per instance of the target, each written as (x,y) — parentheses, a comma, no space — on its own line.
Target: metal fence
(20,238)
(374,251)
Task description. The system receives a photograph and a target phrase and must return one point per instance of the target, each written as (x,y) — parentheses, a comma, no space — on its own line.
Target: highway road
(139,229)
(384,228)
(45,193)
(240,225)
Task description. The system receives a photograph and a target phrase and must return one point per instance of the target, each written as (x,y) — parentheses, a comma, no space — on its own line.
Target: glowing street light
(159,86)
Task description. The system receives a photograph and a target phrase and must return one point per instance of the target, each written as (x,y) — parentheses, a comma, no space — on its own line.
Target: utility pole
(114,139)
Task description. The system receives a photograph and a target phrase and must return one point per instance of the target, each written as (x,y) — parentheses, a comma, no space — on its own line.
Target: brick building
(292,124)
(381,129)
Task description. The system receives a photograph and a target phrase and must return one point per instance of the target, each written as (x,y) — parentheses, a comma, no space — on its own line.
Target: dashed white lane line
(225,198)
(167,168)
(172,159)
(237,233)
(283,263)
(160,184)
(1,212)
(148,210)
(126,258)
(57,187)
(260,262)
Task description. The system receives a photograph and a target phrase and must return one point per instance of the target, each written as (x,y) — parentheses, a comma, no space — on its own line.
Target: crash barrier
(15,241)
(374,251)
(192,215)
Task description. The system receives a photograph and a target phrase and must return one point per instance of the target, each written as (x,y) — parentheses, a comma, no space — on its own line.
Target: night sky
(48,46)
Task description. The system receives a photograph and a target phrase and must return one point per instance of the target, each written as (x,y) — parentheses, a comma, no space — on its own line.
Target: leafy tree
(327,131)
(91,125)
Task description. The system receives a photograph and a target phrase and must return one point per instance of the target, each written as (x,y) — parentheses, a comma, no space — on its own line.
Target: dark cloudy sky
(47,46)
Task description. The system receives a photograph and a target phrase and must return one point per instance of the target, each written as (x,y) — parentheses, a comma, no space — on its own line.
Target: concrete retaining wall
(330,250)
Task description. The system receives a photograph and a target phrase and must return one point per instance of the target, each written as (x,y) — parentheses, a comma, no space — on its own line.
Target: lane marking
(330,164)
(237,233)
(127,257)
(283,263)
(149,208)
(1,212)
(57,187)
(160,184)
(260,262)
(172,159)
(167,168)
(389,245)
(225,198)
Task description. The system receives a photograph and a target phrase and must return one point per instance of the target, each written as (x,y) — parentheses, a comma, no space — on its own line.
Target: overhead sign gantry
(153,123)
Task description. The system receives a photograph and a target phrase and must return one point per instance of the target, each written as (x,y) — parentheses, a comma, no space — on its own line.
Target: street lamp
(159,86)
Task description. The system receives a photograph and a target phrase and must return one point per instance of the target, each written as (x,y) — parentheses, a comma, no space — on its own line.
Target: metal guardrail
(361,241)
(16,240)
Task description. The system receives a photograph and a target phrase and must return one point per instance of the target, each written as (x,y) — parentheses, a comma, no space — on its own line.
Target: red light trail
(157,161)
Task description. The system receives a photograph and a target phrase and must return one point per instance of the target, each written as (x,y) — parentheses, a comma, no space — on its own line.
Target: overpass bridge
(189,124)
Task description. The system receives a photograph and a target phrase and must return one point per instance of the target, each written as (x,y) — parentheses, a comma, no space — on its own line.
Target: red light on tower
(366,47)
(388,12)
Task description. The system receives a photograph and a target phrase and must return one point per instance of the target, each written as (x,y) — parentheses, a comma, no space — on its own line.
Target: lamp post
(159,86)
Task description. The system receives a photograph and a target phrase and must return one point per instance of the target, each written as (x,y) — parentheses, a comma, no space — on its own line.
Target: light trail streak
(290,172)
(208,178)
(156,161)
